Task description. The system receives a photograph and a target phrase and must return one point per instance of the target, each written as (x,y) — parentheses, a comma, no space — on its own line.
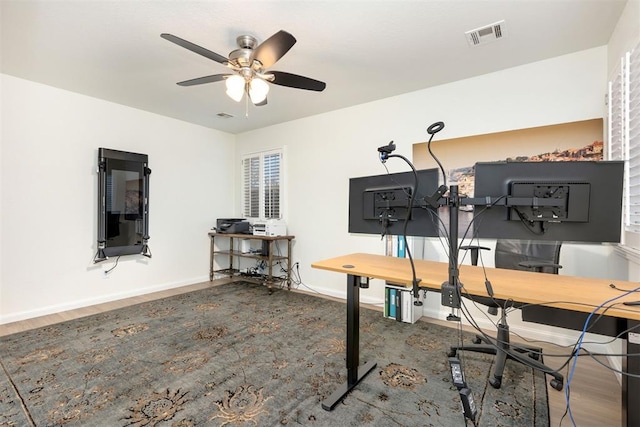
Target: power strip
(466,398)
(468,405)
(456,373)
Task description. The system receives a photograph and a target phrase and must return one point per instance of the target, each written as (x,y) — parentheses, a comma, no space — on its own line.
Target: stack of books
(398,301)
(397,246)
(399,304)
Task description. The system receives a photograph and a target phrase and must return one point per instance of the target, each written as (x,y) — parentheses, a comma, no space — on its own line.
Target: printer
(272,227)
(232,225)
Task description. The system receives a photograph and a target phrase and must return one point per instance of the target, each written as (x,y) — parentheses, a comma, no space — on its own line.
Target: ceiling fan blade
(203,80)
(195,48)
(299,82)
(273,48)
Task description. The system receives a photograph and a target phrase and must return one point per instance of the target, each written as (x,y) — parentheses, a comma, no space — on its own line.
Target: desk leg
(631,385)
(355,373)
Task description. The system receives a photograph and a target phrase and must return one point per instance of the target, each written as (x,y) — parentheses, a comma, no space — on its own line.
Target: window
(262,185)
(624,136)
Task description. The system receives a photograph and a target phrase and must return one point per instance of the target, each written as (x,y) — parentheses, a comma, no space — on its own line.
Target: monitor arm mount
(450,290)
(450,197)
(453,200)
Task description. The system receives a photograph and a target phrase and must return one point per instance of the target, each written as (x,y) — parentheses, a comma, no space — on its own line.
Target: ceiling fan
(249,64)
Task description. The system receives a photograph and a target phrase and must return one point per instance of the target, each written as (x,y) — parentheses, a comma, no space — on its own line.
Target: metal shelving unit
(270,259)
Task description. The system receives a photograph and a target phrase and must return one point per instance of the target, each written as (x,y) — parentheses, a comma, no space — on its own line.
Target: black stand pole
(453,235)
(451,288)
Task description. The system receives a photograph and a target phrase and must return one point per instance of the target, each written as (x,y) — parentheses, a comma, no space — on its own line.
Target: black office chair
(525,255)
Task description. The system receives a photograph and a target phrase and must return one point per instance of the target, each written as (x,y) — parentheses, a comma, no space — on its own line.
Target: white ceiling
(363,50)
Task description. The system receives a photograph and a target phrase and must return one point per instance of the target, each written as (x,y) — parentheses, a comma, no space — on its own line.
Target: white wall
(324,151)
(626,34)
(48,193)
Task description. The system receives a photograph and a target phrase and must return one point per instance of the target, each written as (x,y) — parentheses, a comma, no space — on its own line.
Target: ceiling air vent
(224,115)
(486,34)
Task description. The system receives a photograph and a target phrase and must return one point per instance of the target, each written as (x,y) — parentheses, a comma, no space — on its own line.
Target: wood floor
(595,391)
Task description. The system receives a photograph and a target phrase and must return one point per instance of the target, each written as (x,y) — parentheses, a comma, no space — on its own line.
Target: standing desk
(577,294)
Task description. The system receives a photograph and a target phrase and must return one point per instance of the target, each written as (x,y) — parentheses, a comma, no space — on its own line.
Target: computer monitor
(378,204)
(575,201)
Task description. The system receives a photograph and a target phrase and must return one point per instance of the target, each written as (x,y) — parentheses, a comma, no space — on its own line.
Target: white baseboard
(73,305)
(342,294)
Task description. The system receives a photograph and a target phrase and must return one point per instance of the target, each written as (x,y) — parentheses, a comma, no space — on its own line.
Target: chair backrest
(509,253)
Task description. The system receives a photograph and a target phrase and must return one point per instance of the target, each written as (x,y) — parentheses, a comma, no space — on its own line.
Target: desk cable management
(457,291)
(577,346)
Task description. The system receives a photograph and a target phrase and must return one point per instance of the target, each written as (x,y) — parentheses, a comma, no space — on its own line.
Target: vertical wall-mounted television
(123,203)
(379,204)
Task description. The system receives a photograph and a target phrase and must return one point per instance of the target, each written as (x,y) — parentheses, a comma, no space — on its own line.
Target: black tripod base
(337,396)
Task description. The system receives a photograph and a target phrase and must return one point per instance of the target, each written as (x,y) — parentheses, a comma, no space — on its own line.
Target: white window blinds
(262,185)
(271,185)
(251,187)
(624,132)
(632,130)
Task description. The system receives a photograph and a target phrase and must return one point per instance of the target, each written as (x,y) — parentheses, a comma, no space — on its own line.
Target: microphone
(385,150)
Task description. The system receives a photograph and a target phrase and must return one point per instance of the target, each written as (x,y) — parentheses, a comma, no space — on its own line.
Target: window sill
(627,252)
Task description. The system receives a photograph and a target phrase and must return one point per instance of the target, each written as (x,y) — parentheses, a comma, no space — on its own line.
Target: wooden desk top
(566,292)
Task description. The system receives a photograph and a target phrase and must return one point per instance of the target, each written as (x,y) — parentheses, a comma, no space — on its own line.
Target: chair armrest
(467,247)
(539,265)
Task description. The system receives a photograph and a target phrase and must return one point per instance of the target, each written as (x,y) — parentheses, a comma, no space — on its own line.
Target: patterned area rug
(232,355)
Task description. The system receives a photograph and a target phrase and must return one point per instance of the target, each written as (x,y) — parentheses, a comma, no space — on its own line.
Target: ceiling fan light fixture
(235,87)
(250,64)
(258,90)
